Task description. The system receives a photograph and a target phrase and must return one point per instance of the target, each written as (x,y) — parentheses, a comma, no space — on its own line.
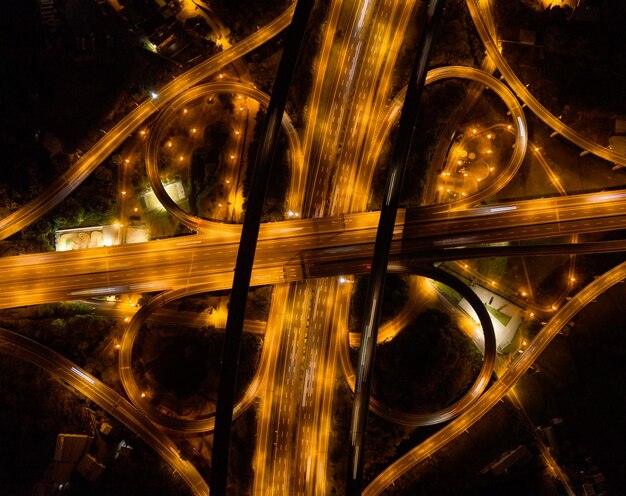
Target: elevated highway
(106,398)
(82,168)
(496,392)
(480,10)
(284,246)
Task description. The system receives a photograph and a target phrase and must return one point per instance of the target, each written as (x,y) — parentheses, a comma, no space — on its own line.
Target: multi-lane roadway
(186,261)
(82,168)
(204,262)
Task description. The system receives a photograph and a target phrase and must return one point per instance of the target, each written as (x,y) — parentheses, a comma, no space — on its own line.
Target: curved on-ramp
(164,120)
(82,168)
(178,424)
(481,15)
(484,375)
(510,101)
(500,387)
(98,392)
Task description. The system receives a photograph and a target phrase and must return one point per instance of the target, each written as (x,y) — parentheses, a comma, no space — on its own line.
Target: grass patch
(503,318)
(448,292)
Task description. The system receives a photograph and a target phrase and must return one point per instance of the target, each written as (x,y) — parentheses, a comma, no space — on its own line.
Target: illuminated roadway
(163,121)
(52,277)
(481,381)
(83,382)
(508,98)
(204,424)
(482,17)
(500,388)
(296,459)
(185,261)
(82,168)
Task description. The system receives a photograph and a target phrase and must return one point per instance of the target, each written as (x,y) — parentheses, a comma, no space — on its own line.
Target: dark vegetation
(264,64)
(144,472)
(387,441)
(181,364)
(92,203)
(591,398)
(34,408)
(438,103)
(242,446)
(427,366)
(383,440)
(456,468)
(583,57)
(274,205)
(71,329)
(395,296)
(56,98)
(302,81)
(206,162)
(243,16)
(257,306)
(457,41)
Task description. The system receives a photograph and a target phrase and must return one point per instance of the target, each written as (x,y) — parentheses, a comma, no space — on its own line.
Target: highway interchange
(334,230)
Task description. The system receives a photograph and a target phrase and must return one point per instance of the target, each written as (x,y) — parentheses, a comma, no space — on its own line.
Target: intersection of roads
(333,161)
